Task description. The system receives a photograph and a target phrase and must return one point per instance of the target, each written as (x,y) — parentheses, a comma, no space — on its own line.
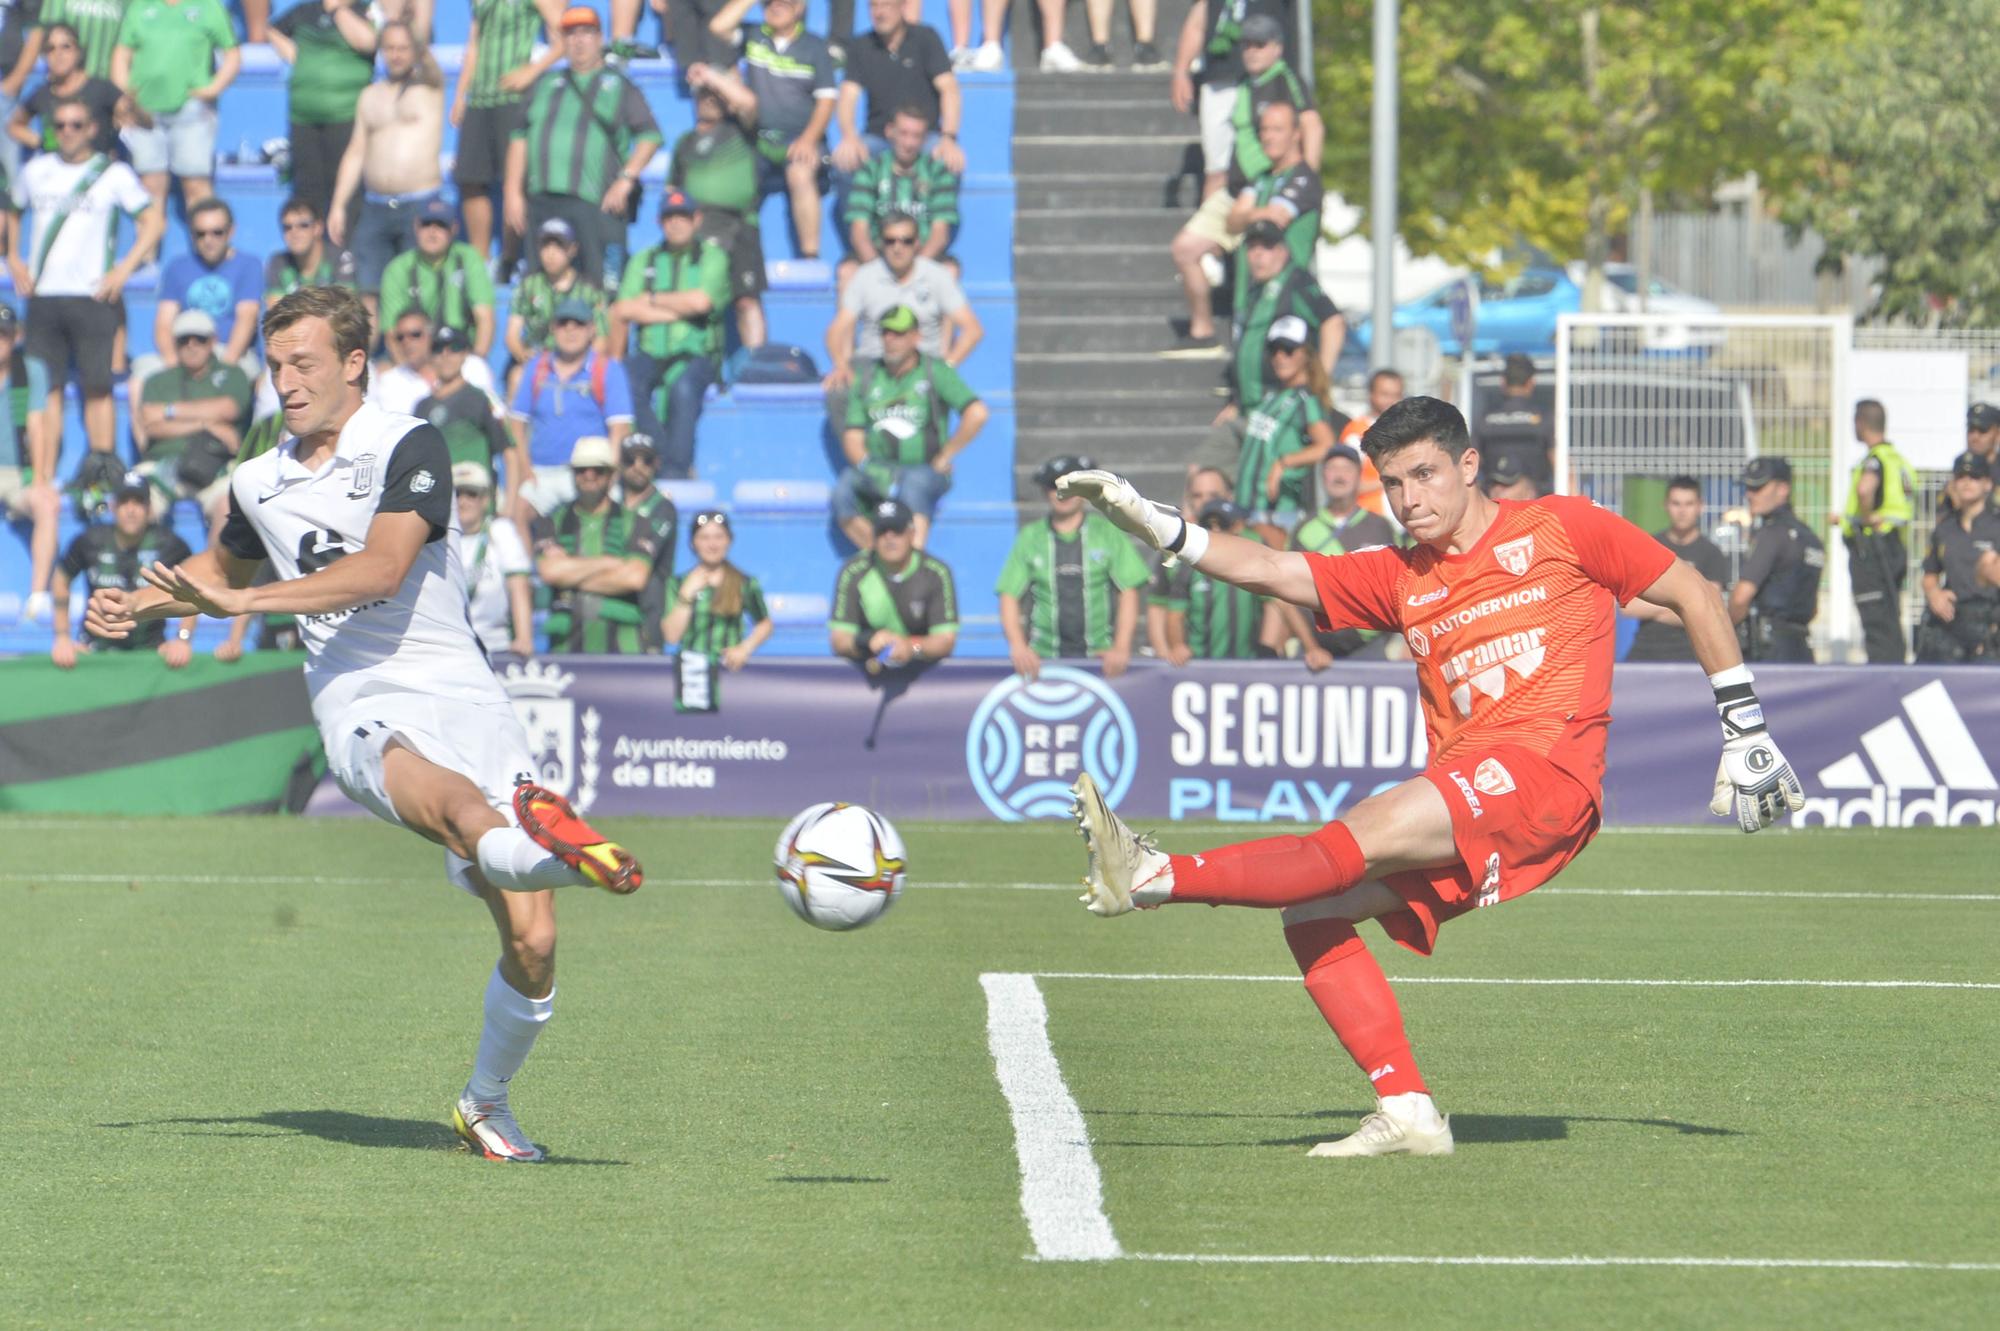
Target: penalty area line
(1396,1259)
(1606,982)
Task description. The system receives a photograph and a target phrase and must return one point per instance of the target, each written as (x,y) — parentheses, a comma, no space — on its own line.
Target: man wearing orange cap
(587,136)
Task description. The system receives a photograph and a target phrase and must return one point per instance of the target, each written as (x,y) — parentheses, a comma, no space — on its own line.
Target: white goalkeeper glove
(1753,777)
(1158,525)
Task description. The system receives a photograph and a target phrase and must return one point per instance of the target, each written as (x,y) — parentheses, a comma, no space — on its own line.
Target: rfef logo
(1029,739)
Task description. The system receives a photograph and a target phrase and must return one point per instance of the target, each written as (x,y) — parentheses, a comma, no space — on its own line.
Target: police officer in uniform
(1962,616)
(1516,427)
(1982,432)
(1879,506)
(1777,592)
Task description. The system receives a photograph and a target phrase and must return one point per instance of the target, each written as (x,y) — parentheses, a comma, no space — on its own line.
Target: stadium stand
(764,450)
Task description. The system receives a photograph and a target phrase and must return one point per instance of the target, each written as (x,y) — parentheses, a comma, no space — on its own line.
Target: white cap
(1291,329)
(193,323)
(470,476)
(593,450)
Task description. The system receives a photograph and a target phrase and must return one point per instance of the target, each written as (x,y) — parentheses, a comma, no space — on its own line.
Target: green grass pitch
(233,1044)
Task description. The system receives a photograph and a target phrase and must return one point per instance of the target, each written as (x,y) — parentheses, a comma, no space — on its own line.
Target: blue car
(1516,314)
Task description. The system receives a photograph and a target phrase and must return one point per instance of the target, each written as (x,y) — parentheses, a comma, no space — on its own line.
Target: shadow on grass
(334,1125)
(826,1178)
(1464,1127)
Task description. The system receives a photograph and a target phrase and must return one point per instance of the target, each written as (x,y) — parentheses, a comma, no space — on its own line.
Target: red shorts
(1517,819)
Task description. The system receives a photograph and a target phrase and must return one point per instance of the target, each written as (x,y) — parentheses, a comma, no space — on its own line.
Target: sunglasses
(185,338)
(592,471)
(1287,348)
(473,492)
(572,323)
(633,459)
(72,124)
(898,241)
(711,519)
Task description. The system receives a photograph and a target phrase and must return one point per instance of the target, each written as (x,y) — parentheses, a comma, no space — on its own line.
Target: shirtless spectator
(392,158)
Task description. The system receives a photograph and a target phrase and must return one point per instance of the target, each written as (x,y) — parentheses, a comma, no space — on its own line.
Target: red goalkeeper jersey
(1514,639)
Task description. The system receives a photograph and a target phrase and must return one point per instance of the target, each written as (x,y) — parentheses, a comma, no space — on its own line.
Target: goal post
(1640,398)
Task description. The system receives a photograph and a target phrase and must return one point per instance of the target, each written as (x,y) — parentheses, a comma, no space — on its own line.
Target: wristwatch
(170,411)
(184,633)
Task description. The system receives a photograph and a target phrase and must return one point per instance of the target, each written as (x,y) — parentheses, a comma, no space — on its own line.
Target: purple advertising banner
(1249,742)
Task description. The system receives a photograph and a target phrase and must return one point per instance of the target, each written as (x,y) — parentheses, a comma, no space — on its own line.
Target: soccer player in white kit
(354,510)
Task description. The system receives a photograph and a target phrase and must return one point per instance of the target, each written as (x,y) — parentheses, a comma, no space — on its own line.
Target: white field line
(1549,983)
(1062,1194)
(1749,1263)
(315,880)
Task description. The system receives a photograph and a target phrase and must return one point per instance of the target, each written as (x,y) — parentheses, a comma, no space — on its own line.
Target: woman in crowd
(710,603)
(1287,432)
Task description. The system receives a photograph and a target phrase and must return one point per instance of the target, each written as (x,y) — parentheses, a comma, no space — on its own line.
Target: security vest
(1893,506)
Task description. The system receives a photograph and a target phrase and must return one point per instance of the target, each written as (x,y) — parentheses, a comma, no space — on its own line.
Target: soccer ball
(839,865)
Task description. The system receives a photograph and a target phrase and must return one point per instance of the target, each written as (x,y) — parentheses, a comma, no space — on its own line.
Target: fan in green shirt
(445,278)
(594,556)
(167,51)
(1211,619)
(1070,586)
(555,279)
(96,23)
(709,605)
(1288,430)
(894,605)
(906,179)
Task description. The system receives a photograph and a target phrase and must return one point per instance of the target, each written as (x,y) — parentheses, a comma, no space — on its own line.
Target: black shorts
(482,145)
(745,246)
(75,330)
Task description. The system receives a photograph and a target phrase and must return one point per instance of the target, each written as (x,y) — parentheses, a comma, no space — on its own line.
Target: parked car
(1518,314)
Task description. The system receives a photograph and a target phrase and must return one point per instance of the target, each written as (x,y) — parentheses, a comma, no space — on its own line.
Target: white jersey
(491,557)
(417,639)
(399,388)
(76,208)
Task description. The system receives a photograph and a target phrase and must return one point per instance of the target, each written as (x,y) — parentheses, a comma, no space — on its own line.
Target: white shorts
(482,742)
(1211,222)
(1218,137)
(180,141)
(549,488)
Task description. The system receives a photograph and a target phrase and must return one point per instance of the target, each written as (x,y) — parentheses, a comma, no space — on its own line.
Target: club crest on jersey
(1490,778)
(421,483)
(364,476)
(1515,555)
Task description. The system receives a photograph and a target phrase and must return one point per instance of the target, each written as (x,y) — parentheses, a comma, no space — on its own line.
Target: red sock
(1354,997)
(1277,871)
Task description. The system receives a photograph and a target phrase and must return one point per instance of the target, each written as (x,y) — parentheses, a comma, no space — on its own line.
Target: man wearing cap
(414,375)
(1070,585)
(1278,289)
(893,605)
(217,279)
(790,73)
(308,258)
(674,296)
(491,101)
(1508,478)
(1982,432)
(1209,619)
(111,556)
(28,459)
(193,414)
(568,393)
(499,578)
(552,279)
(75,291)
(1340,527)
(392,159)
(444,277)
(463,412)
(715,164)
(587,136)
(1661,636)
(1213,51)
(948,329)
(1777,590)
(895,437)
(595,556)
(1880,503)
(1962,601)
(638,470)
(1515,425)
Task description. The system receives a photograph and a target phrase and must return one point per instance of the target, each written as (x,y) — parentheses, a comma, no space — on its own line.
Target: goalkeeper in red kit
(1508,610)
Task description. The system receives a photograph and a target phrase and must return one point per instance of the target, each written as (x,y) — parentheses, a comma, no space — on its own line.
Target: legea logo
(1922,767)
(1028,741)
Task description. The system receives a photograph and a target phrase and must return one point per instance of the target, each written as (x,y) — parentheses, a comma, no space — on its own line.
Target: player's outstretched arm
(1284,574)
(112,613)
(1753,779)
(372,573)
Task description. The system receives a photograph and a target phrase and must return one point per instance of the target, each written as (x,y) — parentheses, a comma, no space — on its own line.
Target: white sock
(513,1020)
(512,862)
(1414,1108)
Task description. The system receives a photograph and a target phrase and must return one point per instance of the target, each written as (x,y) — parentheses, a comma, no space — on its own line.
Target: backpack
(539,375)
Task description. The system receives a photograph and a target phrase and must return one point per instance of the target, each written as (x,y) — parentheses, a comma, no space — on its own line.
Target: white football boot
(489,1126)
(1407,1124)
(1127,870)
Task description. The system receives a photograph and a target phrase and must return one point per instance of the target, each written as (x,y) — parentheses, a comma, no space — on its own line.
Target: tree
(1899,128)
(1539,122)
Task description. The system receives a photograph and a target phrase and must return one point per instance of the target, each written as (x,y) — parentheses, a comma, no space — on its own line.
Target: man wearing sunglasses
(76,293)
(568,393)
(217,279)
(443,276)
(193,414)
(638,470)
(308,259)
(31,123)
(947,327)
(596,556)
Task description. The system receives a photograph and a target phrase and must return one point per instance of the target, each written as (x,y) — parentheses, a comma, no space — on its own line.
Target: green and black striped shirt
(1070,582)
(590,621)
(868,598)
(508,30)
(710,634)
(580,128)
(1222,620)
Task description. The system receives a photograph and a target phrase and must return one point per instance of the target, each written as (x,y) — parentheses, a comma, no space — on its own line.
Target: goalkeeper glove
(1158,525)
(1753,777)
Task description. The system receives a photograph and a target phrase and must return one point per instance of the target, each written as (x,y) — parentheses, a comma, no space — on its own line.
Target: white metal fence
(1741,259)
(1641,398)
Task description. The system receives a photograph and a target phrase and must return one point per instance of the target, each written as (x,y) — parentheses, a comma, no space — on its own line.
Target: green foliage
(1517,128)
(1899,126)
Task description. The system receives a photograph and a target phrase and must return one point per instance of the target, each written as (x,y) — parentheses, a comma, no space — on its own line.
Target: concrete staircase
(1106,171)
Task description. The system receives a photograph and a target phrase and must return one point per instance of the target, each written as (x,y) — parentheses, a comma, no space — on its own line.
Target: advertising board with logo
(1238,742)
